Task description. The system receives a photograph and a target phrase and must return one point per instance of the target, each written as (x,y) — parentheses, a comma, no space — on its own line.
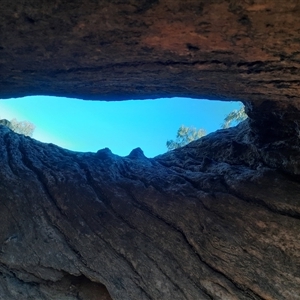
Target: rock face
(217,219)
(242,50)
(213,220)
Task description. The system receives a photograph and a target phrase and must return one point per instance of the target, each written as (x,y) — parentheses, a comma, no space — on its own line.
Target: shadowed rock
(216,219)
(211,220)
(234,50)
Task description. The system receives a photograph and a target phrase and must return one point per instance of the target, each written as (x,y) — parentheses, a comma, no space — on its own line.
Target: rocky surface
(217,219)
(213,220)
(242,50)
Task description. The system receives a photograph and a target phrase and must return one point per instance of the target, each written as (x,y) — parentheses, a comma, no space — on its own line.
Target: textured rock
(242,50)
(217,219)
(209,221)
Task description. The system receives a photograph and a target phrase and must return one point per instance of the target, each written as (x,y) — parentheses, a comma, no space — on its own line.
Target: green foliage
(184,136)
(235,116)
(22,127)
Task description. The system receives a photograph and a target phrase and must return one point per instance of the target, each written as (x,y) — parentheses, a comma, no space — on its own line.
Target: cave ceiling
(231,50)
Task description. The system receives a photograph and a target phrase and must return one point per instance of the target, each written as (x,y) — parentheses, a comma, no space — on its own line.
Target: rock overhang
(130,50)
(217,218)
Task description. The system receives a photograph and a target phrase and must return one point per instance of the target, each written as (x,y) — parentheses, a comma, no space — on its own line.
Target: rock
(233,50)
(137,153)
(5,122)
(208,221)
(216,219)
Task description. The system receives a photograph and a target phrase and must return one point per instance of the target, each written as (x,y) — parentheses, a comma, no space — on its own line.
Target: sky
(88,126)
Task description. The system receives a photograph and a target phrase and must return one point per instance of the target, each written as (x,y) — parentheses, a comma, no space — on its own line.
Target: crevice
(74,287)
(202,289)
(101,196)
(142,207)
(27,162)
(6,139)
(193,249)
(262,203)
(47,193)
(237,285)
(40,179)
(175,228)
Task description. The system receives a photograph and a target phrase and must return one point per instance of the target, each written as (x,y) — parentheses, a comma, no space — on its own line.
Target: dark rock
(5,122)
(148,49)
(104,153)
(205,220)
(137,153)
(216,219)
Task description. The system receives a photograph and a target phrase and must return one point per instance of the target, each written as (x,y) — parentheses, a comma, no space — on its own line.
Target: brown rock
(217,219)
(235,50)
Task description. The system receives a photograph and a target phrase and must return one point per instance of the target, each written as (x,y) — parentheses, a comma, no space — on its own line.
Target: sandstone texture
(217,219)
(236,50)
(213,220)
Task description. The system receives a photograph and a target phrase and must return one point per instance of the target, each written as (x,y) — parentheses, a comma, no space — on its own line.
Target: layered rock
(213,220)
(217,219)
(236,50)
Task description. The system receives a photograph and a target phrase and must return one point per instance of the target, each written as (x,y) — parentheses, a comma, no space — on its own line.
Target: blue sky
(82,125)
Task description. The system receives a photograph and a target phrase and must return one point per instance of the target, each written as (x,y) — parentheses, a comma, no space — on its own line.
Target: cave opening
(88,126)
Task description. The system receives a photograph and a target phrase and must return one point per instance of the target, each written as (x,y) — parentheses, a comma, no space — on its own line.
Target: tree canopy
(236,116)
(186,134)
(21,127)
